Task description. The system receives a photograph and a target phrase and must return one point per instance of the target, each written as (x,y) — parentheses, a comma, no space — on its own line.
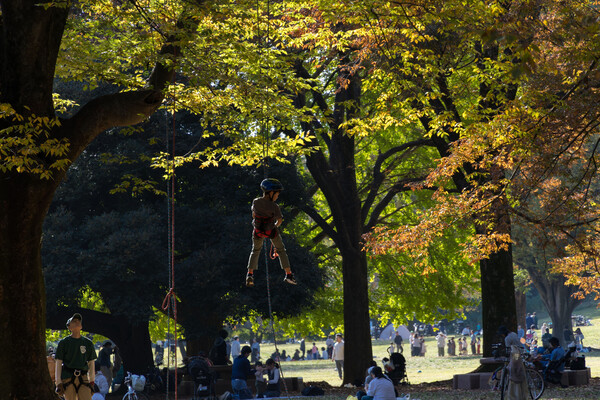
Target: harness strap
(260,223)
(77,375)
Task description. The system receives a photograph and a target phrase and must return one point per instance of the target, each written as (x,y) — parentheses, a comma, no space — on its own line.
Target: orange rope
(273,253)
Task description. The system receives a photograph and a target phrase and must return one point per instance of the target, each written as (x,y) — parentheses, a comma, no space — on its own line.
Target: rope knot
(171,296)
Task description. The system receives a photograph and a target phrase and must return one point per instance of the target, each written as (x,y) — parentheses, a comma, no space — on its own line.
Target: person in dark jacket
(218,353)
(240,371)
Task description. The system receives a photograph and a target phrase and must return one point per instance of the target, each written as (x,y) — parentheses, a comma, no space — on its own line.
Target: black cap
(75,316)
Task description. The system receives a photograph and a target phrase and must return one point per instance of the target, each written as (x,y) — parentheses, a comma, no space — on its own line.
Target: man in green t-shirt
(75,357)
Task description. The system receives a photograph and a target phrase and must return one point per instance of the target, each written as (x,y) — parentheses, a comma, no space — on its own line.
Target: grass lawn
(430,368)
(430,376)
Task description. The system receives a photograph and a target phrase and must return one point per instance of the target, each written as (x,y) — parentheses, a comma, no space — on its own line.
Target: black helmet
(271,185)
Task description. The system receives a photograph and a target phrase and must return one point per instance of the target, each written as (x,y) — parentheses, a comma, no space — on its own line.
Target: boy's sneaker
(249,280)
(289,278)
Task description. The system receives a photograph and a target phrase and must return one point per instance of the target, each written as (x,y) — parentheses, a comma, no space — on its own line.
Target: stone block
(575,377)
(466,381)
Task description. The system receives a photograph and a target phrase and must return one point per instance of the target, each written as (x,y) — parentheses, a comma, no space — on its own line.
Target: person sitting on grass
(274,379)
(380,387)
(361,393)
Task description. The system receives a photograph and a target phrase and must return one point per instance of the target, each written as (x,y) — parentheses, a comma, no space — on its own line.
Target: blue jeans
(240,388)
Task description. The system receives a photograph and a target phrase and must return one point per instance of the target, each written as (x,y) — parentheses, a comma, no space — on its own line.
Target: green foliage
(26,145)
(116,243)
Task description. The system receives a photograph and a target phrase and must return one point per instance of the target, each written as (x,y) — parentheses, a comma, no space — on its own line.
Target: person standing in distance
(235,347)
(75,369)
(338,354)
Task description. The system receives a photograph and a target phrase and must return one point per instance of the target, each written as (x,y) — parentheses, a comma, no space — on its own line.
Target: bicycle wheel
(535,382)
(130,396)
(504,383)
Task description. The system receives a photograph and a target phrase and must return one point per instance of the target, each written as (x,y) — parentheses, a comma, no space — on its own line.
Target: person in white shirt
(103,386)
(510,338)
(338,355)
(235,347)
(380,387)
(441,341)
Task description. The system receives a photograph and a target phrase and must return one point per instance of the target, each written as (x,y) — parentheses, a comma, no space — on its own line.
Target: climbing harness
(76,380)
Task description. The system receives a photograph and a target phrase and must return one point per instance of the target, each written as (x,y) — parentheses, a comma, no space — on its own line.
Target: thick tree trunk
(133,340)
(558,299)
(498,306)
(357,346)
(23,370)
(200,333)
(497,299)
(521,303)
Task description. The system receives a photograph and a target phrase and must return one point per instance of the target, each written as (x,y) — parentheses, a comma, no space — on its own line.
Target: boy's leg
(257,243)
(284,262)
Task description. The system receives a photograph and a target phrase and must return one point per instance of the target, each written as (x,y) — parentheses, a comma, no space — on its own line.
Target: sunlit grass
(430,368)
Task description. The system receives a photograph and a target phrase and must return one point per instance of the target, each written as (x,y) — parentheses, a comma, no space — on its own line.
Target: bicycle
(131,392)
(535,380)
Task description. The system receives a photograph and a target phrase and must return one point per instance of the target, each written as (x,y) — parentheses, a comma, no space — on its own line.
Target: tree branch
(124,108)
(327,229)
(379,177)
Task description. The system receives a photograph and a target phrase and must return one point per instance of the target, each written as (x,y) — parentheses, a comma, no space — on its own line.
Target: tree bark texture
(23,366)
(498,305)
(30,38)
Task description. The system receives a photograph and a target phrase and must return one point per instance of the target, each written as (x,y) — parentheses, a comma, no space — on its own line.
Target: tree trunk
(498,305)
(23,370)
(200,332)
(133,340)
(497,302)
(558,299)
(521,302)
(357,346)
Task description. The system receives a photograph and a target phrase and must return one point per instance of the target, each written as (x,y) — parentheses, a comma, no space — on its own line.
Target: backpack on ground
(312,391)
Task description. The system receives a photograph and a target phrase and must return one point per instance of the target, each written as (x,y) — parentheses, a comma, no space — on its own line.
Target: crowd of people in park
(267,377)
(224,351)
(83,374)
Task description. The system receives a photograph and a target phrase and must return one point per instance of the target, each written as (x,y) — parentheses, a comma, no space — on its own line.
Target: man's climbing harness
(76,380)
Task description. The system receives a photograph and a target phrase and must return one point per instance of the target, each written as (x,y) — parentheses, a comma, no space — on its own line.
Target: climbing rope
(169,304)
(271,314)
(272,254)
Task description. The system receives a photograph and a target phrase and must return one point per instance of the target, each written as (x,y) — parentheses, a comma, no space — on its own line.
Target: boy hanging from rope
(267,218)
